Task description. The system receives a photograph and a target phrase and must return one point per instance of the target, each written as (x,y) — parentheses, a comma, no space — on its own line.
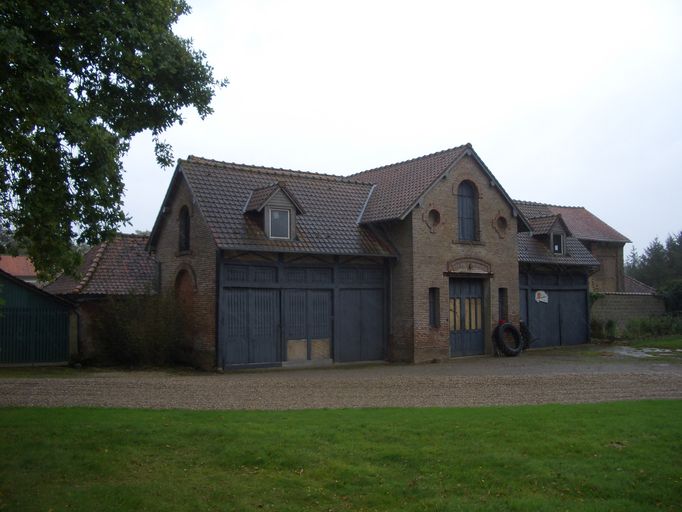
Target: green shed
(35,326)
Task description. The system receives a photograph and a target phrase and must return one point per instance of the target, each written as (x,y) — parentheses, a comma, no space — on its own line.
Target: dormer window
(557,243)
(280,223)
(275,208)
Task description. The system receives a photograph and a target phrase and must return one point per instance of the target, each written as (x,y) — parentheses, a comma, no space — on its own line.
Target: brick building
(117,268)
(414,261)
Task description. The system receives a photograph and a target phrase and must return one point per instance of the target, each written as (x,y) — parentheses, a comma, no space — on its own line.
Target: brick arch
(185,286)
(185,291)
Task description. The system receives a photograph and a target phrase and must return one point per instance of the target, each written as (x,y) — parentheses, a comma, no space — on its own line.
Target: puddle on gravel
(641,353)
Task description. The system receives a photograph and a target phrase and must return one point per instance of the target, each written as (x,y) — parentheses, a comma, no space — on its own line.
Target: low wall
(623,307)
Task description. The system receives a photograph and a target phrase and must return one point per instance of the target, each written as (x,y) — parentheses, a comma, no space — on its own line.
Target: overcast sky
(570,103)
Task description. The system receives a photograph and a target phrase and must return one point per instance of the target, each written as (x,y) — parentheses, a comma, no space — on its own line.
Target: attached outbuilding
(117,268)
(554,273)
(36,327)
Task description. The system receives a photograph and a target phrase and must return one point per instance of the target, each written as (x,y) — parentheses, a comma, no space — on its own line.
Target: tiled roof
(582,223)
(542,225)
(400,185)
(333,206)
(119,267)
(632,285)
(260,197)
(532,250)
(20,266)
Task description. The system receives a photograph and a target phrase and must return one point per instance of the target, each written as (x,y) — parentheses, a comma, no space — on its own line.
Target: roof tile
(583,224)
(118,267)
(400,185)
(20,266)
(329,226)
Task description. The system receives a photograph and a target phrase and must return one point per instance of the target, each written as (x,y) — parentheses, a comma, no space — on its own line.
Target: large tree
(78,79)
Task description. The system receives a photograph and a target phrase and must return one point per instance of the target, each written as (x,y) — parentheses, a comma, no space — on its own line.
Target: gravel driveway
(587,374)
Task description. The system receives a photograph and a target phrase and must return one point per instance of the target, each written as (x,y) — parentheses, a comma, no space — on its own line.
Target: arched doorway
(184,295)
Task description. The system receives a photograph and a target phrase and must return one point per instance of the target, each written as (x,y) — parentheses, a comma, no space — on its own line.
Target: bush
(596,329)
(672,293)
(610,329)
(140,330)
(654,326)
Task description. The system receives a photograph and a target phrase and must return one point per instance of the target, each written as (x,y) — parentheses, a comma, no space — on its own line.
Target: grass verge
(670,342)
(615,456)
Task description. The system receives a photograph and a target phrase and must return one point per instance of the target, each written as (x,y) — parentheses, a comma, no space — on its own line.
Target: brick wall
(199,262)
(610,276)
(425,251)
(401,329)
(622,307)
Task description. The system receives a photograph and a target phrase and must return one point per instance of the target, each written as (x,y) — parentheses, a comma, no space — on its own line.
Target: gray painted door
(544,320)
(362,325)
(573,317)
(307,324)
(249,326)
(466,317)
(556,316)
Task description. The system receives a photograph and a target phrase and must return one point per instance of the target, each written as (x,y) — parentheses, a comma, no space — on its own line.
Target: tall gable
(400,186)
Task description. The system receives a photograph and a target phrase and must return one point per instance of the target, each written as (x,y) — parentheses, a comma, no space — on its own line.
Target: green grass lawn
(616,456)
(670,342)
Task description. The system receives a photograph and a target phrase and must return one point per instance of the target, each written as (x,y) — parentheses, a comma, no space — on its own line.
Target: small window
(502,298)
(434,307)
(279,224)
(183,228)
(557,243)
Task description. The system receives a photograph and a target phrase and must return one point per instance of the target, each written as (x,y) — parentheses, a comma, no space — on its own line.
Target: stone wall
(622,307)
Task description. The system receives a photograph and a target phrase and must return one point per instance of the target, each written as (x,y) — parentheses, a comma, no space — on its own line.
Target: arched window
(467,200)
(183,228)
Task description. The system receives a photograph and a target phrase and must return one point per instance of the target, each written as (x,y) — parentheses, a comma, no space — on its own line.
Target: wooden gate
(555,308)
(270,314)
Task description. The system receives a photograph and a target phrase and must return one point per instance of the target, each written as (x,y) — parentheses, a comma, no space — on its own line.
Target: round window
(501,223)
(433,218)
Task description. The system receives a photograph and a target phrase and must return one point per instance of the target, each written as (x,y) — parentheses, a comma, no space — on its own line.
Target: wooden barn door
(466,317)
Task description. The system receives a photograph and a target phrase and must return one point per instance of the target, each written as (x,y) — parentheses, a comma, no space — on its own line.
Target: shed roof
(20,266)
(33,288)
(121,266)
(582,223)
(333,206)
(632,285)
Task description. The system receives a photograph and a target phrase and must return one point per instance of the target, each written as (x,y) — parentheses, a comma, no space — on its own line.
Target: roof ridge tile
(536,203)
(91,269)
(262,169)
(402,162)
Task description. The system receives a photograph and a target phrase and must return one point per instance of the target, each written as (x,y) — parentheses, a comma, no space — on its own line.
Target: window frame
(288,212)
(434,307)
(562,243)
(473,219)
